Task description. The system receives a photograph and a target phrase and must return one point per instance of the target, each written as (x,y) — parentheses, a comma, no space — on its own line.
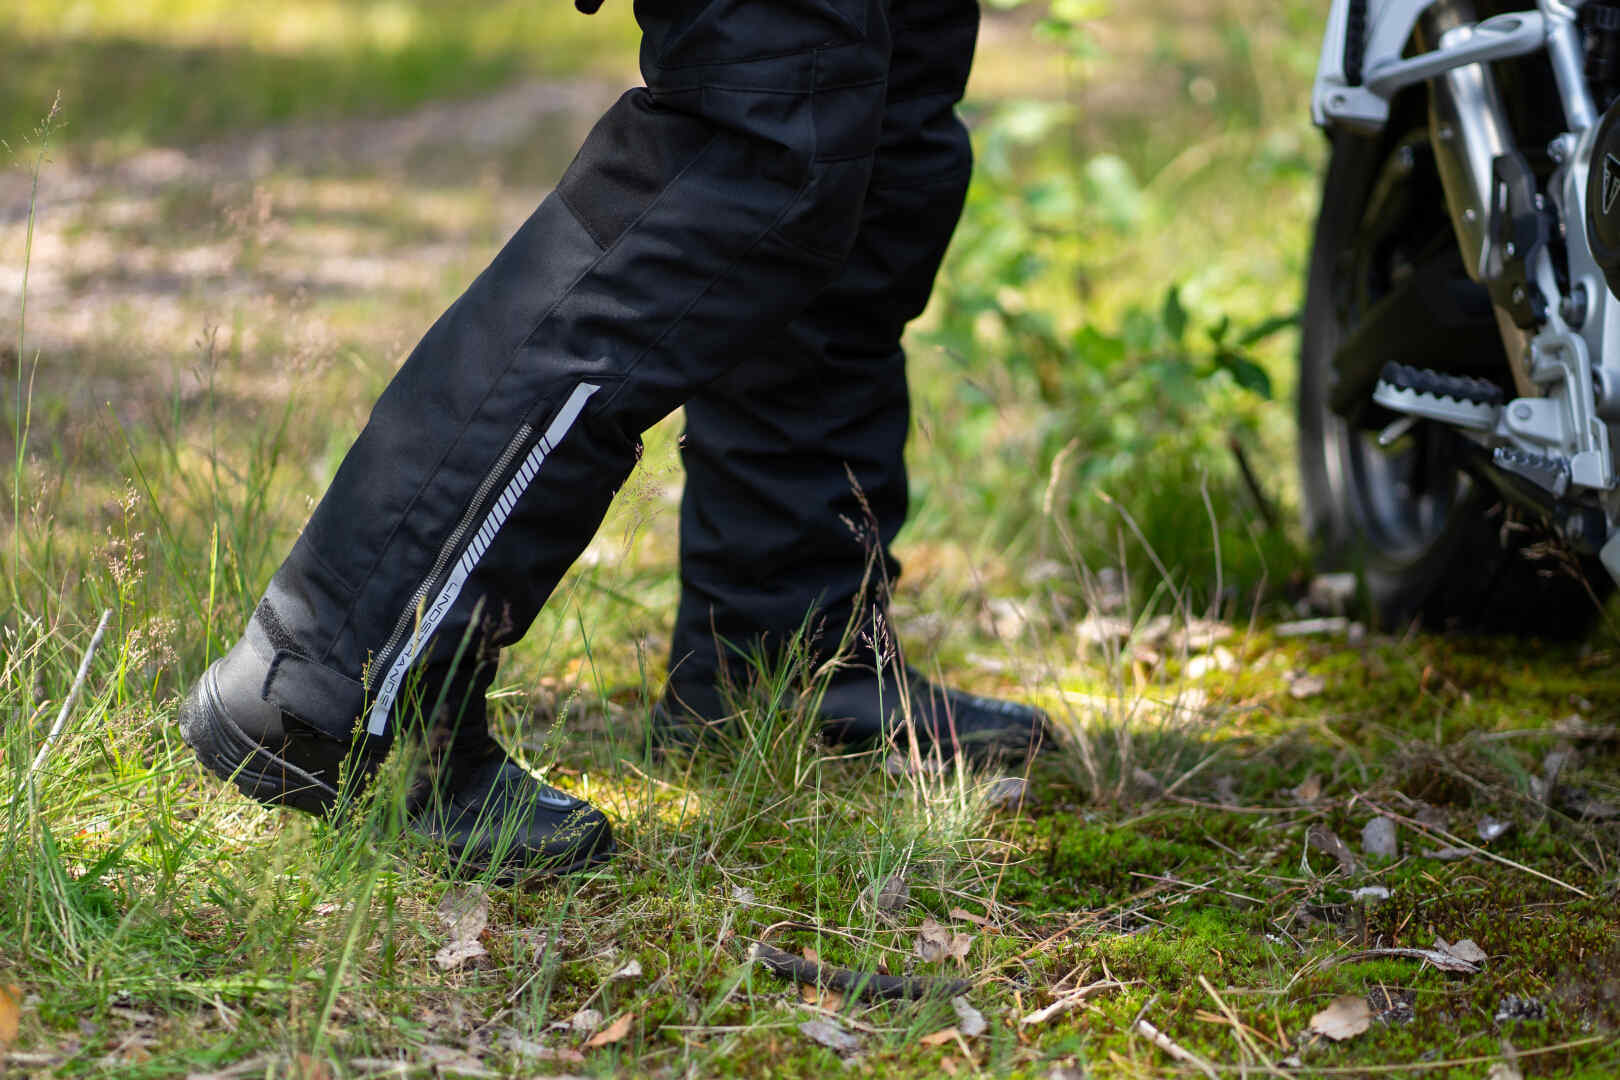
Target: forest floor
(1268,840)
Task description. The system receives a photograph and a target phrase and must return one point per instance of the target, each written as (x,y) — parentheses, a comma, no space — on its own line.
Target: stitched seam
(841,158)
(327,566)
(562,197)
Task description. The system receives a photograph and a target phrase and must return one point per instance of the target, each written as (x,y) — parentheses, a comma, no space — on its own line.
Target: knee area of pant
(826,216)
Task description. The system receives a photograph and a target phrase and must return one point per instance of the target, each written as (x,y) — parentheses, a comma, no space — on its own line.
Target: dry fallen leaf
(585,1021)
(1309,789)
(943,1035)
(539,1051)
(465,913)
(613,1032)
(821,997)
(450,1061)
(10,1013)
(1323,839)
(936,943)
(969,1021)
(830,1035)
(964,915)
(1464,950)
(1344,1018)
(888,896)
(457,953)
(1306,686)
(632,970)
(1380,838)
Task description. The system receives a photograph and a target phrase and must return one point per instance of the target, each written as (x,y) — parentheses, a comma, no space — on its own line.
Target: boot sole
(521,875)
(229,753)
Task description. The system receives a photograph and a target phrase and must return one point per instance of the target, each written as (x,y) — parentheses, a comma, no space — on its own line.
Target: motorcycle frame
(1567,371)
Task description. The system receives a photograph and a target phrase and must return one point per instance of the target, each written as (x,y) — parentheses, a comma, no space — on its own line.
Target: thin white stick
(73,695)
(1174,1049)
(1433,830)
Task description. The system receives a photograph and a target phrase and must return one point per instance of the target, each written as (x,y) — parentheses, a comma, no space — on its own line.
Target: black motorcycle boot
(267,752)
(862,707)
(479,806)
(484,809)
(859,707)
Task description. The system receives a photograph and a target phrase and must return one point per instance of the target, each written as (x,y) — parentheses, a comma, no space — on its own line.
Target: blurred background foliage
(1108,358)
(149,72)
(1126,278)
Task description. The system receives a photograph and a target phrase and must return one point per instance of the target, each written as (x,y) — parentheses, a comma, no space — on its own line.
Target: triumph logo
(1611,182)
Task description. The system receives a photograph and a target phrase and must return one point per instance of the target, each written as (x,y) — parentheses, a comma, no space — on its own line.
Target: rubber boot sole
(231,754)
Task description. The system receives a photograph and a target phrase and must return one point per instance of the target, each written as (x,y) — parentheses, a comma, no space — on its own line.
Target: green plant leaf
(1245,372)
(1269,328)
(1173,315)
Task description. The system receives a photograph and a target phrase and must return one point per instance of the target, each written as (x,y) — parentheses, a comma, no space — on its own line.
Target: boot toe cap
(515,824)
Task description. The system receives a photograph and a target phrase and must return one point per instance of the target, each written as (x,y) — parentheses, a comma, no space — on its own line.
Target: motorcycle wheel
(1427,541)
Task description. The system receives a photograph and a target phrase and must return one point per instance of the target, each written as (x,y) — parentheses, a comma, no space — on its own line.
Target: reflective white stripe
(435,612)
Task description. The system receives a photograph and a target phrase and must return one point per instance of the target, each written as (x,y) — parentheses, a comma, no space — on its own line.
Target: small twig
(1251,480)
(1433,831)
(1239,1031)
(1192,772)
(868,985)
(1200,888)
(833,931)
(72,698)
(1450,1063)
(1068,1001)
(1428,956)
(1174,1049)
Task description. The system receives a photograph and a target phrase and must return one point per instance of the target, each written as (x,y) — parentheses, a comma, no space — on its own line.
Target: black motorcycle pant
(747,235)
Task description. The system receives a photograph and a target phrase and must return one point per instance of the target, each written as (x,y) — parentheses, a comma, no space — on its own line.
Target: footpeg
(1452,399)
(1548,473)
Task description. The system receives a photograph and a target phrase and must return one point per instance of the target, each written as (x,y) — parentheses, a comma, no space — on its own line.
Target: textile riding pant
(747,234)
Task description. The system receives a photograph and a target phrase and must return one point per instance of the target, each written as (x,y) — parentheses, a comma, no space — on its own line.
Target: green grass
(207,348)
(137,74)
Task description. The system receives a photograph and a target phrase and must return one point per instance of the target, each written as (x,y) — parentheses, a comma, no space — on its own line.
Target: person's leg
(775,537)
(701,211)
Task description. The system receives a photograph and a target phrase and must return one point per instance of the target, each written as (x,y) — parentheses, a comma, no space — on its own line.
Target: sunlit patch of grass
(138,74)
(159,924)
